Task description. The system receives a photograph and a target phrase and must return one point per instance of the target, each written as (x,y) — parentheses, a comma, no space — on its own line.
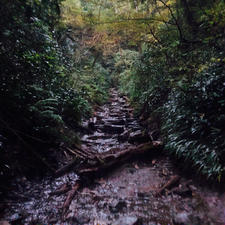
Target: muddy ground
(126,195)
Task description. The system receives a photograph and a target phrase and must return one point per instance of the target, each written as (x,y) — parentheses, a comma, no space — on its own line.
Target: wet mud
(127,195)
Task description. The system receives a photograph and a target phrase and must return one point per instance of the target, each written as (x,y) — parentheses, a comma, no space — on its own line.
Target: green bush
(179,75)
(35,73)
(194,122)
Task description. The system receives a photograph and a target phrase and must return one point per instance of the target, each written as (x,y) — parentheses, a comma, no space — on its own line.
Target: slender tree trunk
(95,60)
(188,14)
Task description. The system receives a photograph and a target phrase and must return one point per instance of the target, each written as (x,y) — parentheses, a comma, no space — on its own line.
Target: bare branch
(175,20)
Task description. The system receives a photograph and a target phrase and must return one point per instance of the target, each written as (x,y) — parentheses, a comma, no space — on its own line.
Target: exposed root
(65,188)
(172,181)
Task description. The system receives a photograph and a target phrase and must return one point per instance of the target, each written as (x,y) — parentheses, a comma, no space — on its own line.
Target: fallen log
(98,163)
(80,155)
(108,160)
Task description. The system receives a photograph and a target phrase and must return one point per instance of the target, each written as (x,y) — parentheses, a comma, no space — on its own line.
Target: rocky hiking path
(118,177)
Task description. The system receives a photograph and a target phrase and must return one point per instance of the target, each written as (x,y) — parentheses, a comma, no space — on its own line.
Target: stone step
(97,137)
(115,121)
(138,137)
(134,128)
(124,110)
(111,129)
(101,142)
(112,114)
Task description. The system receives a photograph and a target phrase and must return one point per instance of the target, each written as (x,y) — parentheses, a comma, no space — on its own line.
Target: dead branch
(65,188)
(69,198)
(61,171)
(172,181)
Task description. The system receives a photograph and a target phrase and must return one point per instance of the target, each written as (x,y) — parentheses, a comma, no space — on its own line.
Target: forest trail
(145,190)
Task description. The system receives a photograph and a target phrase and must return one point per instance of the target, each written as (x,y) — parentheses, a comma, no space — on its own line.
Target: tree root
(69,198)
(172,181)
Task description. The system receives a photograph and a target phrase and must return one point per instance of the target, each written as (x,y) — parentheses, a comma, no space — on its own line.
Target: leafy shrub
(91,83)
(35,81)
(179,74)
(194,122)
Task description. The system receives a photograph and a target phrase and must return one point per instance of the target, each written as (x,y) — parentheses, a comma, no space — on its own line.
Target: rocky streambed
(148,190)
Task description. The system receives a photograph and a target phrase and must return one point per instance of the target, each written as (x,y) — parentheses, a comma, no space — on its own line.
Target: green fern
(47,109)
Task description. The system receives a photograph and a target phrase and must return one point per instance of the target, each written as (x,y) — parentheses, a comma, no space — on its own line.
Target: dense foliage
(179,73)
(167,55)
(30,68)
(194,122)
(45,88)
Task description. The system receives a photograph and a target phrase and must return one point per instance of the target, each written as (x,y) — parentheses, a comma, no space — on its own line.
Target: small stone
(16,217)
(113,129)
(52,221)
(83,220)
(117,206)
(138,136)
(127,220)
(100,222)
(181,219)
